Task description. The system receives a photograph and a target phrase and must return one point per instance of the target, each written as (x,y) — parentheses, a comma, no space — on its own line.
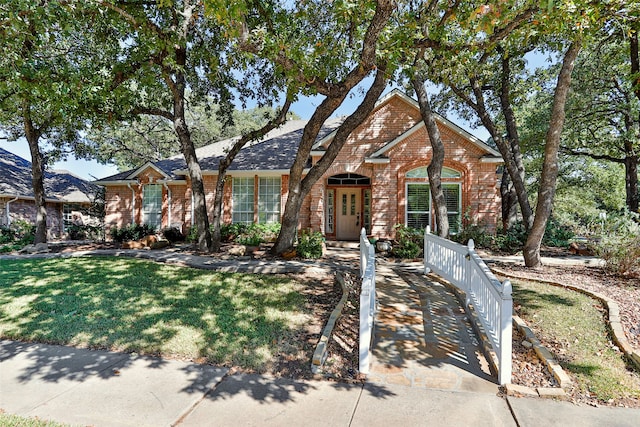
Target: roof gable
(15,180)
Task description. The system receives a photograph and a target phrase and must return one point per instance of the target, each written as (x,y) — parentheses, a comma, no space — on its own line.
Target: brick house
(66,196)
(378,180)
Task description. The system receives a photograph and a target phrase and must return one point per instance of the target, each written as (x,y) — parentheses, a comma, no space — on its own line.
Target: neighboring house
(378,180)
(66,195)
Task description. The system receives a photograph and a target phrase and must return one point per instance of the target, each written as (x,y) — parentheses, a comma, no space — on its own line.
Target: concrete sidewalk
(99,388)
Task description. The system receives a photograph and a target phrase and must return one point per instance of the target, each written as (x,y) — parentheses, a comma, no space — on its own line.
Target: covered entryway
(348,206)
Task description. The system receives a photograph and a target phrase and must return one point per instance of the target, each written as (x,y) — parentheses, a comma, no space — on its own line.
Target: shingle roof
(275,151)
(15,180)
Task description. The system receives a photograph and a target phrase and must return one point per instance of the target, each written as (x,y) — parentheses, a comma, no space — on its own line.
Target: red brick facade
(384,148)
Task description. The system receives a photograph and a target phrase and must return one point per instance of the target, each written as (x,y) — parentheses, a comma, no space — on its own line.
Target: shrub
(310,244)
(6,235)
(172,234)
(620,244)
(481,238)
(409,242)
(82,232)
(512,239)
(131,232)
(556,234)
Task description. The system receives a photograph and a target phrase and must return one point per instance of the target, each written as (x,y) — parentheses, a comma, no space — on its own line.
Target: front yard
(255,322)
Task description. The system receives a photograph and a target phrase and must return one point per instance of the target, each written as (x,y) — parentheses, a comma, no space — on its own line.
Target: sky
(92,170)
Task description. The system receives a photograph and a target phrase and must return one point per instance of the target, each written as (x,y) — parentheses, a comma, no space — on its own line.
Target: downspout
(193,219)
(168,204)
(9,211)
(133,204)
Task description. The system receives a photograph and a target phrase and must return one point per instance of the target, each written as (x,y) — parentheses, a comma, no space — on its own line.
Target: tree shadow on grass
(533,299)
(148,308)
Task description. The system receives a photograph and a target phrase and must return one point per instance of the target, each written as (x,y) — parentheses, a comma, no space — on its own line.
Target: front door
(348,213)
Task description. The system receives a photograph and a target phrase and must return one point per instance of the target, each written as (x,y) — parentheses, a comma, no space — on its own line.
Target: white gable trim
(138,171)
(455,128)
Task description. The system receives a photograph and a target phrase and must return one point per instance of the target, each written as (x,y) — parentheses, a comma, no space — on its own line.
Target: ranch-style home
(378,180)
(67,197)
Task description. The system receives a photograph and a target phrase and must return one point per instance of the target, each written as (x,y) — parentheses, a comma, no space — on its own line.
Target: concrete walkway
(427,370)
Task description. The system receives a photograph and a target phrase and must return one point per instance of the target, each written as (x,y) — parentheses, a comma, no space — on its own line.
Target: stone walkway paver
(422,336)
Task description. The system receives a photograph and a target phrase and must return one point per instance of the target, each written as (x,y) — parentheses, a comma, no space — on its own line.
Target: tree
(327,49)
(145,138)
(603,122)
(45,77)
(549,175)
(434,170)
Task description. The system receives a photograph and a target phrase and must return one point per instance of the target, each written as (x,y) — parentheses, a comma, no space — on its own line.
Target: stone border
(320,354)
(613,312)
(547,358)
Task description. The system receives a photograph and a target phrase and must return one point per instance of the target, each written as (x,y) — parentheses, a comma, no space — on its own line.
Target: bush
(481,238)
(172,234)
(409,242)
(6,235)
(82,232)
(620,244)
(131,232)
(310,244)
(512,239)
(556,234)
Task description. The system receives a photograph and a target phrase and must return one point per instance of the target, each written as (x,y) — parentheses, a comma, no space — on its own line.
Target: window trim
(145,205)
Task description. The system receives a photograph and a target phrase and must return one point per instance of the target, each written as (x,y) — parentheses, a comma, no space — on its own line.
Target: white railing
(367,300)
(491,300)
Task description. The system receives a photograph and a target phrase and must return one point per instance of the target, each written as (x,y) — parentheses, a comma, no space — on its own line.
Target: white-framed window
(419,203)
(453,201)
(269,199)
(243,195)
(152,205)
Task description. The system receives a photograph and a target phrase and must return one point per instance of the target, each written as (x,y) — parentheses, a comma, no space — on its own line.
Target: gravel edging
(320,354)
(613,314)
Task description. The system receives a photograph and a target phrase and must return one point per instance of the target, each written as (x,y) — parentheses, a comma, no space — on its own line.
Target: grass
(575,326)
(7,420)
(139,306)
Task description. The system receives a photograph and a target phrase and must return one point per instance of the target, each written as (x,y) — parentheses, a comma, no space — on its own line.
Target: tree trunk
(513,139)
(631,161)
(37,173)
(509,202)
(548,178)
(280,119)
(631,181)
(434,170)
(299,187)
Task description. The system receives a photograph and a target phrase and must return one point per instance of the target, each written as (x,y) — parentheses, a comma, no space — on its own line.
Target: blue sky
(91,170)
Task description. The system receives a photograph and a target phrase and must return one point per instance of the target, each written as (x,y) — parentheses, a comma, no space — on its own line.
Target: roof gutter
(9,210)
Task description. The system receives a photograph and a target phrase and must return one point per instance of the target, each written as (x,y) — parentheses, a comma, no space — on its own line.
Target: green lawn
(139,306)
(7,420)
(574,323)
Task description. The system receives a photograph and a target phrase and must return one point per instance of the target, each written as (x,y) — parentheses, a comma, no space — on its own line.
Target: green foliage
(249,234)
(82,232)
(310,244)
(131,232)
(620,244)
(409,242)
(481,237)
(512,239)
(557,234)
(172,234)
(18,235)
